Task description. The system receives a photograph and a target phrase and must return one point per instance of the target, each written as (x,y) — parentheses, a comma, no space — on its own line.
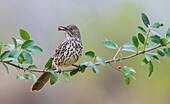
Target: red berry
(59,28)
(119,67)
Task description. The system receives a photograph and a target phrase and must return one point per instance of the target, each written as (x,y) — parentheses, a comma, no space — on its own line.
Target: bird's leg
(78,66)
(58,69)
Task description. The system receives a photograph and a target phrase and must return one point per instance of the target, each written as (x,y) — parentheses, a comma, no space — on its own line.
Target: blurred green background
(115,19)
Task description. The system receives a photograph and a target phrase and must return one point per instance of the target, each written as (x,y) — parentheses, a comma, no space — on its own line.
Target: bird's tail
(42,80)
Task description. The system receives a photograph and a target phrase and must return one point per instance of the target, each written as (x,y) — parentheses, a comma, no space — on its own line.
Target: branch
(69,70)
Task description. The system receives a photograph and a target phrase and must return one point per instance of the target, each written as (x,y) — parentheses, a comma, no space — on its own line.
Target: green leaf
(89,63)
(126,70)
(19,47)
(74,72)
(149,46)
(160,52)
(35,49)
(26,76)
(66,76)
(145,19)
(132,70)
(164,42)
(150,68)
(24,34)
(27,44)
(157,25)
(152,53)
(95,69)
(127,80)
(167,51)
(20,77)
(19,41)
(155,58)
(10,59)
(5,55)
(0,47)
(83,70)
(21,58)
(54,78)
(129,49)
(133,76)
(15,42)
(101,61)
(128,45)
(9,46)
(147,58)
(51,71)
(155,39)
(158,33)
(135,41)
(32,67)
(27,58)
(15,54)
(109,44)
(83,63)
(90,54)
(49,63)
(34,78)
(141,29)
(5,67)
(141,38)
(168,35)
(144,61)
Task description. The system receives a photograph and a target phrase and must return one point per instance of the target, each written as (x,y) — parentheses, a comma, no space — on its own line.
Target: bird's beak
(62,28)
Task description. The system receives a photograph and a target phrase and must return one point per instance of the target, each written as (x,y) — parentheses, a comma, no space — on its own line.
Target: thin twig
(115,68)
(147,37)
(69,70)
(117,53)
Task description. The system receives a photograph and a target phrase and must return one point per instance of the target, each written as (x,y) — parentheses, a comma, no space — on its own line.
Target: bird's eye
(71,28)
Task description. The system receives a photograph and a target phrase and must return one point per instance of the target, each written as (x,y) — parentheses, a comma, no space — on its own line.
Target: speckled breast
(70,52)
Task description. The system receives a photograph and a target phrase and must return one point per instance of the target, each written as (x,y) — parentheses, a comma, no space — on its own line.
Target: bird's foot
(78,66)
(58,70)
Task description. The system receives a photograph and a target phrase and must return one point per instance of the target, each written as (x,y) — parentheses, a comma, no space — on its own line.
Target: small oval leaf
(49,63)
(129,49)
(167,51)
(27,44)
(160,52)
(164,42)
(150,68)
(35,49)
(5,55)
(155,58)
(128,45)
(141,38)
(66,76)
(24,34)
(54,78)
(34,78)
(145,19)
(26,76)
(135,41)
(32,67)
(101,61)
(155,39)
(95,69)
(109,44)
(168,35)
(141,29)
(90,54)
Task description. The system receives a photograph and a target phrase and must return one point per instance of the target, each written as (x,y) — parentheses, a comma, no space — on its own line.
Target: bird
(67,54)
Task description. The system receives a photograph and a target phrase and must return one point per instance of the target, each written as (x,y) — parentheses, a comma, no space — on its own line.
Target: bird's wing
(58,48)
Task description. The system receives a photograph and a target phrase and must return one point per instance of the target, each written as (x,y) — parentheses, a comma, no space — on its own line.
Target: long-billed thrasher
(66,54)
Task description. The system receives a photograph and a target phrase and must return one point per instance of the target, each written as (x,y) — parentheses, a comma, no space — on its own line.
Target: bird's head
(70,30)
